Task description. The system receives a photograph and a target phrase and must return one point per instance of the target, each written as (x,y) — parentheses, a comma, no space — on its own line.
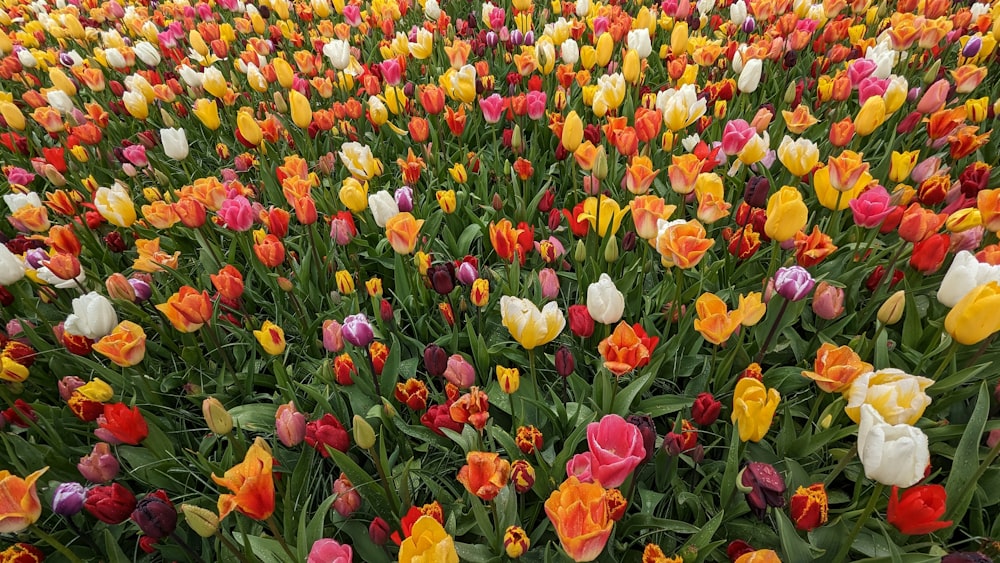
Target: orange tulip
(125,346)
(19,505)
(646,211)
(639,175)
(269,250)
(484,474)
(623,351)
(402,231)
(715,322)
(473,407)
(151,258)
(579,512)
(682,244)
(252,483)
(683,173)
(836,368)
(187,309)
(988,203)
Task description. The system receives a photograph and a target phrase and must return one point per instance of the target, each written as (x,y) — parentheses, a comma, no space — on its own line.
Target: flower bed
(441,281)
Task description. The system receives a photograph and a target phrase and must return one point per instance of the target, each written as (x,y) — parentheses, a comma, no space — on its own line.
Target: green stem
(281,539)
(952,350)
(184,545)
(58,545)
(534,379)
(845,547)
(383,478)
(774,328)
(841,465)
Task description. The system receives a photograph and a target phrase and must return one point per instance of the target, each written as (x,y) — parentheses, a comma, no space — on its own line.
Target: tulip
(973,318)
(12,268)
(175,143)
(828,301)
(93,316)
(346,497)
(125,346)
(19,504)
(68,498)
(515,541)
(329,551)
(484,474)
(572,132)
(604,302)
(299,106)
(402,231)
(580,515)
(764,487)
(918,510)
(111,504)
(115,205)
(809,507)
(428,541)
(793,283)
(528,325)
(252,483)
(891,454)
(964,274)
(786,214)
(799,156)
(871,115)
(100,466)
(753,408)
(248,128)
(155,515)
(749,77)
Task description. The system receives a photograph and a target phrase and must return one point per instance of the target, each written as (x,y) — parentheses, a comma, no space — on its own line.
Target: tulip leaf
(112,548)
(257,417)
(308,534)
(401,277)
(704,536)
(265,549)
(473,553)
(728,486)
(390,370)
(625,397)
(366,485)
(794,547)
(960,486)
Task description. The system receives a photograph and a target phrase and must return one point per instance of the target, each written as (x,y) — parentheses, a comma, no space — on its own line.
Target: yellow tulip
(753,408)
(354,195)
(786,214)
(799,156)
(679,38)
(284,72)
(872,115)
(901,164)
(610,215)
(588,57)
(61,81)
(529,326)
(271,338)
(136,105)
(301,112)
(631,66)
(428,542)
(572,133)
(207,112)
(12,115)
(249,128)
(605,47)
(975,317)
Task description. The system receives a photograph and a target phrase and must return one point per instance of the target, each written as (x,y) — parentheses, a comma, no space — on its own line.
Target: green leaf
(794,547)
(732,468)
(265,549)
(959,487)
(308,534)
(390,370)
(704,536)
(627,395)
(113,549)
(366,485)
(254,417)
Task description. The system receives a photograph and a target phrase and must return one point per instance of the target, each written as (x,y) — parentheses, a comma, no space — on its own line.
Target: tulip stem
(982,349)
(51,540)
(184,545)
(841,465)
(232,548)
(281,539)
(845,548)
(947,360)
(383,478)
(774,328)
(534,378)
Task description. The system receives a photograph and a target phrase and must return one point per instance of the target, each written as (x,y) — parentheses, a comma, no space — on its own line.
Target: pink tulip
(392,73)
(536,104)
(934,97)
(290,425)
(871,207)
(861,69)
(549,281)
(492,107)
(736,135)
(579,466)
(460,372)
(329,551)
(616,448)
(237,214)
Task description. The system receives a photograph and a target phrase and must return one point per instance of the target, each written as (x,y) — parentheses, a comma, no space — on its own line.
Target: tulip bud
(705,410)
(892,310)
(565,362)
(378,531)
(216,416)
(517,140)
(580,254)
(290,425)
(364,434)
(435,359)
(611,250)
(346,497)
(204,522)
(155,515)
(515,542)
(600,167)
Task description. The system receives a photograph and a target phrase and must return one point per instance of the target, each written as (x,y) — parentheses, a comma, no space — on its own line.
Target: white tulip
(93,316)
(749,78)
(147,53)
(891,454)
(383,207)
(604,302)
(339,53)
(11,266)
(963,276)
(175,143)
(639,41)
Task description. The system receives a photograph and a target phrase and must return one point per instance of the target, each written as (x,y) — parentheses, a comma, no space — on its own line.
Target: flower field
(441,281)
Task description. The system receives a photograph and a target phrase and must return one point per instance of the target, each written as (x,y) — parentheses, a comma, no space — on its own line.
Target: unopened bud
(517,140)
(204,522)
(217,418)
(600,168)
(611,250)
(285,284)
(790,92)
(279,103)
(364,434)
(580,254)
(892,310)
(932,72)
(497,202)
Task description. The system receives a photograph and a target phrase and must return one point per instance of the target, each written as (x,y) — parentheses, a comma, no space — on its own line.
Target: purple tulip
(467,273)
(972,47)
(68,499)
(404,198)
(793,283)
(357,330)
